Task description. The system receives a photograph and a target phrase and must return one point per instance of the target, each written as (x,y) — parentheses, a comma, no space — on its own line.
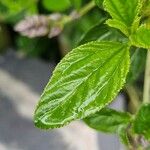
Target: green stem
(78,14)
(134,98)
(84,10)
(146,93)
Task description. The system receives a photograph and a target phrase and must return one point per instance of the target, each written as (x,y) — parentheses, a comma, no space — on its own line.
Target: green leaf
(111,121)
(142,121)
(56,5)
(123,12)
(76,3)
(108,120)
(141,37)
(100,32)
(85,81)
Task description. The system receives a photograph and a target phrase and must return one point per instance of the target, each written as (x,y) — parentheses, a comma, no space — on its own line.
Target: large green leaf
(108,120)
(141,37)
(85,81)
(56,5)
(142,121)
(123,12)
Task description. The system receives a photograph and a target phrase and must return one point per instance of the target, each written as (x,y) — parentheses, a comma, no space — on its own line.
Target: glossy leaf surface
(85,81)
(108,120)
(142,121)
(141,37)
(123,13)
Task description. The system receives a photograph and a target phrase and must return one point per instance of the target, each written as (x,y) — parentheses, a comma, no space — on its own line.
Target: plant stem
(134,98)
(146,93)
(78,14)
(84,10)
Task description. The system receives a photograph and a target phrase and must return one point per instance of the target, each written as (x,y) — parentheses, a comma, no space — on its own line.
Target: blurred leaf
(56,5)
(138,57)
(13,10)
(108,120)
(142,121)
(83,83)
(36,47)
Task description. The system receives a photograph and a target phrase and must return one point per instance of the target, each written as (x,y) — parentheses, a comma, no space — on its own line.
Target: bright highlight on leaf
(85,81)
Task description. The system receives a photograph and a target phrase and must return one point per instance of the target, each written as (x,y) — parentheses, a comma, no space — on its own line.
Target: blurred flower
(40,25)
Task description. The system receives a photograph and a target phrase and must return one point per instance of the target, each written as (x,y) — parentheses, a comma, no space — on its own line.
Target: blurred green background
(12,11)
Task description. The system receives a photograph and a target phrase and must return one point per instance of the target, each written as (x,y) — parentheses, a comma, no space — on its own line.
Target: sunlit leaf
(85,81)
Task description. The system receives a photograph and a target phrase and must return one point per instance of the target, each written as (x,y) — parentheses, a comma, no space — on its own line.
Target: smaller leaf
(119,25)
(124,13)
(108,120)
(142,121)
(141,37)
